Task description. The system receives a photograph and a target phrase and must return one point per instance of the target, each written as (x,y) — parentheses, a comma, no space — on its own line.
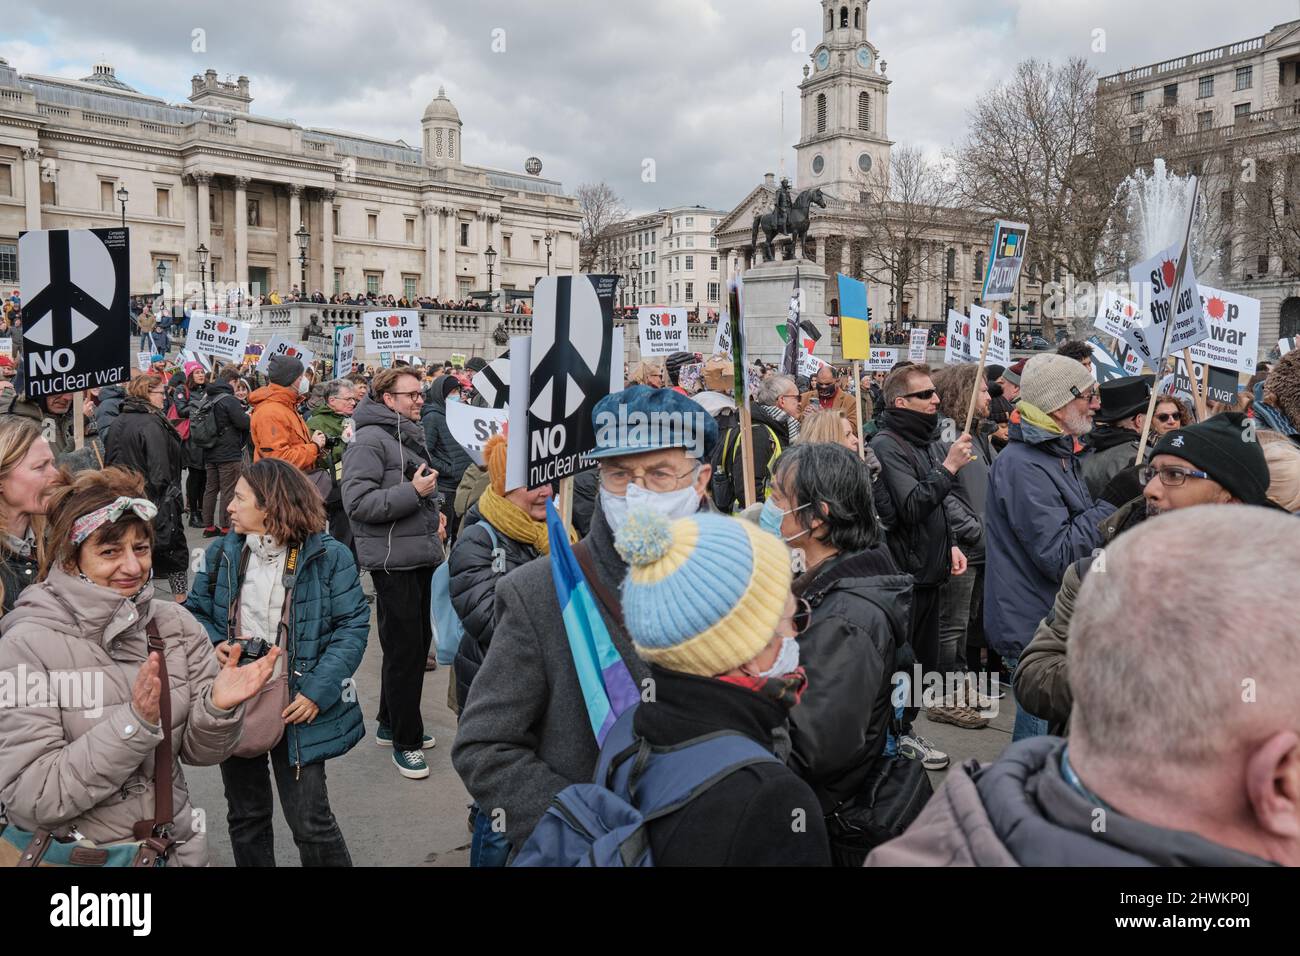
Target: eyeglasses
(924,395)
(616,478)
(416,396)
(1089,396)
(340,398)
(1168,417)
(1170,476)
(791,395)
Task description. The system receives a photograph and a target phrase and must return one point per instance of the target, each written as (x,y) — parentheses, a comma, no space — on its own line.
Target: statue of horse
(796,222)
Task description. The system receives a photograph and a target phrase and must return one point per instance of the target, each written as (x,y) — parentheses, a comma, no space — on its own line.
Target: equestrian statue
(789,218)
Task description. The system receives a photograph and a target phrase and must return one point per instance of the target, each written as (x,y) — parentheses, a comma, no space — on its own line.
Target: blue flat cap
(640,419)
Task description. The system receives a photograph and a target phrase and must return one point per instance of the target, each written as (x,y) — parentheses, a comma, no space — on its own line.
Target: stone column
(32,186)
(327,242)
(203,180)
(449,269)
(431,283)
(291,242)
(241,234)
(481,231)
(724,275)
(189,260)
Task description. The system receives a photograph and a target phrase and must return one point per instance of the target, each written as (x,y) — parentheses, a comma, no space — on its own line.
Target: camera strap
(288,579)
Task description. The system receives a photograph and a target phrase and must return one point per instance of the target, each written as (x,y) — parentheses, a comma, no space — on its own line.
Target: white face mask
(303,387)
(681,503)
(786,661)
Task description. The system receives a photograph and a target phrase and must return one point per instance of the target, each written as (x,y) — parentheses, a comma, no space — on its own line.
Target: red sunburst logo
(1215,308)
(1168,272)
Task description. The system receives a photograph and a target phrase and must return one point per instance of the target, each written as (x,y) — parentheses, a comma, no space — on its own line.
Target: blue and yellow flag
(855,331)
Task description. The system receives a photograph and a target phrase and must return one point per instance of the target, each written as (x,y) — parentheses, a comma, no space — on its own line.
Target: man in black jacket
(224,458)
(446,455)
(919,476)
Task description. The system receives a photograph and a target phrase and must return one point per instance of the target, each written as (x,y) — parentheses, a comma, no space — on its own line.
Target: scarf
(918,428)
(512,521)
(1031,414)
(791,423)
(785,691)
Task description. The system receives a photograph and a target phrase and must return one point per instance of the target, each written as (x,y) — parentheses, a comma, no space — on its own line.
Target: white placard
(809,364)
(6,346)
(143,360)
(345,350)
(882,360)
(472,426)
(392,330)
(1116,314)
(956,349)
(662,331)
(1154,281)
(217,336)
(1233,321)
(999,347)
(916,346)
(283,345)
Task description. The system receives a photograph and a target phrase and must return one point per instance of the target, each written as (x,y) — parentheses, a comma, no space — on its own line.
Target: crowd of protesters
(787,630)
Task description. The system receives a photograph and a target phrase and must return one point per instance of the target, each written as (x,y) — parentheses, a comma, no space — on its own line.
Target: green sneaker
(384,737)
(410,763)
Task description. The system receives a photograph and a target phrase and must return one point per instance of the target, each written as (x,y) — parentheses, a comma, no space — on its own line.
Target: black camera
(252,649)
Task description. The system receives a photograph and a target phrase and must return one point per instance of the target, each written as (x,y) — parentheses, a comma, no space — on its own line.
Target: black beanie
(283,370)
(1223,448)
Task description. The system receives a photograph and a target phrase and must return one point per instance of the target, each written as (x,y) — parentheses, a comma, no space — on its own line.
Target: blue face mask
(770,518)
(454,397)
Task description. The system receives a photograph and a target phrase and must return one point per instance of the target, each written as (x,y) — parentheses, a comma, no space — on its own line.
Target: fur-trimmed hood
(1282,387)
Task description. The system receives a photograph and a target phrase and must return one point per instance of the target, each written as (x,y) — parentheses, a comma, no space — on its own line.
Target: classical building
(669,257)
(1231,115)
(844,149)
(381,215)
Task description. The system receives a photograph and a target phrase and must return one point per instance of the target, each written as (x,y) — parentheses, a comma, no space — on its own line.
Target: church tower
(441,128)
(844,136)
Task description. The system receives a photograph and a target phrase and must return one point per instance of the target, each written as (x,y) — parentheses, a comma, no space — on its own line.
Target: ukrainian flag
(854,329)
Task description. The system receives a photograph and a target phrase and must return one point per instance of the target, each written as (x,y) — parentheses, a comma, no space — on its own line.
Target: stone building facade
(669,257)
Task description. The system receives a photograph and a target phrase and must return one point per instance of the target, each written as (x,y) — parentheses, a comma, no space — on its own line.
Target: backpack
(203,421)
(725,484)
(447,626)
(604,823)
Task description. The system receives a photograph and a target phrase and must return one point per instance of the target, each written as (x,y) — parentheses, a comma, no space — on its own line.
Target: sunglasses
(924,395)
(1168,417)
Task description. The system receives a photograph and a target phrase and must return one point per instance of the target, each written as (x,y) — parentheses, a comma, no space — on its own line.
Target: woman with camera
(97,758)
(278,581)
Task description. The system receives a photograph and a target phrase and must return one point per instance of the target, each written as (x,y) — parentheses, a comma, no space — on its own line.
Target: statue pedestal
(766,304)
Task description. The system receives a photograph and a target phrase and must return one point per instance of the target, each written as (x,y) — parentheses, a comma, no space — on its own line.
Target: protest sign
(809,364)
(392,330)
(916,346)
(472,427)
(1132,364)
(1116,314)
(457,359)
(956,350)
(143,360)
(1233,323)
(1006,256)
(722,340)
(558,374)
(661,331)
(6,346)
(345,349)
(283,345)
(492,382)
(217,336)
(1000,346)
(689,376)
(1221,385)
(1286,345)
(1105,366)
(882,360)
(1155,280)
(75,288)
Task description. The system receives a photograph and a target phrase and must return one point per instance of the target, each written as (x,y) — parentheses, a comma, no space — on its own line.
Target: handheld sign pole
(862,416)
(1006,256)
(975,389)
(566,502)
(1169,324)
(1199,388)
(742,398)
(79,421)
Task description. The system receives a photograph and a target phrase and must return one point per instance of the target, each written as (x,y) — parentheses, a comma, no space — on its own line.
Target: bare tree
(904,212)
(1045,149)
(601,209)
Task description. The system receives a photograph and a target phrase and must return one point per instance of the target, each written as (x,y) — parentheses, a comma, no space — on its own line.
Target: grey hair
(336,385)
(772,388)
(1183,677)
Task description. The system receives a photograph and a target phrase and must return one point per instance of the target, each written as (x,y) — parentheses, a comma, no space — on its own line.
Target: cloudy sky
(596,88)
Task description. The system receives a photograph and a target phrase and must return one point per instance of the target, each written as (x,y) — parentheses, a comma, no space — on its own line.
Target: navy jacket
(329,625)
(1039,520)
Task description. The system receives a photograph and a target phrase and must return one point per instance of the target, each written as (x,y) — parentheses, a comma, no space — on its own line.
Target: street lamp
(549,236)
(491,256)
(203,272)
(162,276)
(122,197)
(304,237)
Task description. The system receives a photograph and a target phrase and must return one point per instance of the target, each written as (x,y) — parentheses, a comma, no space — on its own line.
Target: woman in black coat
(143,440)
(185,395)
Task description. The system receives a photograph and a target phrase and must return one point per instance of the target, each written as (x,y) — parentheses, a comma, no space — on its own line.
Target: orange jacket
(277,429)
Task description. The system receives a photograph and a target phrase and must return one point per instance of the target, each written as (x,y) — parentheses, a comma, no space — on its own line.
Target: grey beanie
(283,370)
(1052,381)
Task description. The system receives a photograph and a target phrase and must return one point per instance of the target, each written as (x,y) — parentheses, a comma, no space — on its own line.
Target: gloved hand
(1124,487)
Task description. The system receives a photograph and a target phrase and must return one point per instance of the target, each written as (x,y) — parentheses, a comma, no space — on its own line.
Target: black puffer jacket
(861,607)
(17,571)
(449,459)
(144,441)
(744,819)
(232,425)
(912,470)
(473,590)
(109,407)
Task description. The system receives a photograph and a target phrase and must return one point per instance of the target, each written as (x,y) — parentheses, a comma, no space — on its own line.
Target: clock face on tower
(823,59)
(864,58)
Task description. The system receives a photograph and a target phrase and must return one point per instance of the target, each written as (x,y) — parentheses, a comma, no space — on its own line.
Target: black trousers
(405,634)
(195,484)
(306,806)
(927,602)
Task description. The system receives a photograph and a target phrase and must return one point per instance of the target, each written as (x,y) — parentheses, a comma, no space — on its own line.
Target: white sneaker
(916,747)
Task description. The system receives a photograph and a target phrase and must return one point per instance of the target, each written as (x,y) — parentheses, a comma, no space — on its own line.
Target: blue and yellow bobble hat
(703,594)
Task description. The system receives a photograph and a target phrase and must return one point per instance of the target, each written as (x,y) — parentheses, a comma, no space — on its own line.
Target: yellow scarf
(512,521)
(1034,415)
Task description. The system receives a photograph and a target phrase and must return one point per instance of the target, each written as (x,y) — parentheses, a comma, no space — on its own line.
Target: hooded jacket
(232,425)
(446,455)
(277,429)
(1040,519)
(1109,451)
(68,767)
(1021,811)
(147,443)
(911,460)
(109,407)
(329,624)
(59,432)
(861,609)
(475,574)
(744,819)
(394,528)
